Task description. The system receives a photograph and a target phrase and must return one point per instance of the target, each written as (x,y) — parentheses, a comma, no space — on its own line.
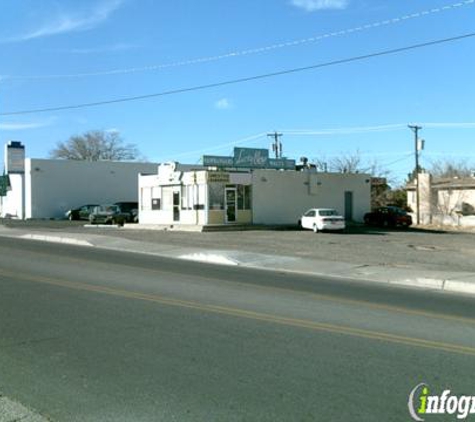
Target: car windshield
(108,208)
(327,213)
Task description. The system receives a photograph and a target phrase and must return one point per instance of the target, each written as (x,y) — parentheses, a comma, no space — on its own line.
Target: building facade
(207,195)
(41,188)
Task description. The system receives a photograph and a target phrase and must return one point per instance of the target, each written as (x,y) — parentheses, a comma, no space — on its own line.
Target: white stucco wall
(281,197)
(12,204)
(54,186)
(451,200)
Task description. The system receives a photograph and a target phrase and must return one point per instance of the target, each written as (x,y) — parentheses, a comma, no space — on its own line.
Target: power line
(245,79)
(369,129)
(406,157)
(248,139)
(250,51)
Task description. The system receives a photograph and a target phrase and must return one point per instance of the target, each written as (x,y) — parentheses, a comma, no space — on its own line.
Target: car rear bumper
(333,226)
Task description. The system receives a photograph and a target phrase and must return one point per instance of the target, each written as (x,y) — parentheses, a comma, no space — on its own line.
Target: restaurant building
(247,188)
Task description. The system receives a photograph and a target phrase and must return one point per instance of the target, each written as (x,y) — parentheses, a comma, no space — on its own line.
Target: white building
(41,188)
(227,193)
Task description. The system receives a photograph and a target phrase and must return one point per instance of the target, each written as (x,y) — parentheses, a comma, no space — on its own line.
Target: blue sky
(57,53)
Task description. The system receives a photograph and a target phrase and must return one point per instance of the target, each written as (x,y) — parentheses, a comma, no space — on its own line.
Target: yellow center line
(257,316)
(307,295)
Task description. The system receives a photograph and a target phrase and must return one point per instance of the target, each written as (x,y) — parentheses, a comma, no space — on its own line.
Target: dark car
(131,209)
(81,213)
(108,214)
(388,217)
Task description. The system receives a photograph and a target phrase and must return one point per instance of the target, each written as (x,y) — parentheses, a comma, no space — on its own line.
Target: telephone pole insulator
(276,145)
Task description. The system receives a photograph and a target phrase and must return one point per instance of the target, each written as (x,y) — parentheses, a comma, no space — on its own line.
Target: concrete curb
(447,282)
(57,239)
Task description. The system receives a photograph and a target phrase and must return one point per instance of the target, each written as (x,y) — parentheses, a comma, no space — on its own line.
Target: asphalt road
(95,335)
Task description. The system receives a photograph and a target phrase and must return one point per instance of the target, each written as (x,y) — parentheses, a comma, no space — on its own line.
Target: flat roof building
(42,188)
(237,190)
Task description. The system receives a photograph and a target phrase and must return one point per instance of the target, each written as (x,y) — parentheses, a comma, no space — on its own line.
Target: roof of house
(448,183)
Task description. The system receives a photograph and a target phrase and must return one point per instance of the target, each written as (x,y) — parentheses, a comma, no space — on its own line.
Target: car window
(327,213)
(310,213)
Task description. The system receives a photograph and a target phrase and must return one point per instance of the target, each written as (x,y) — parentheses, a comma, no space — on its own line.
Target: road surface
(97,335)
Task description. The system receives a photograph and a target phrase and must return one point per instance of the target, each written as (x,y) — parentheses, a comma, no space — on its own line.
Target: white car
(322,219)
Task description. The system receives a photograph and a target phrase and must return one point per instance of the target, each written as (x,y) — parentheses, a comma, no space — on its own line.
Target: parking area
(423,248)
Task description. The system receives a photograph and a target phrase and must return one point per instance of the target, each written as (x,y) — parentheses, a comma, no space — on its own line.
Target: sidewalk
(193,248)
(11,411)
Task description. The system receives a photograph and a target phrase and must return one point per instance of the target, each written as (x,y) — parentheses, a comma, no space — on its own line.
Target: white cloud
(25,125)
(114,48)
(73,22)
(314,5)
(223,104)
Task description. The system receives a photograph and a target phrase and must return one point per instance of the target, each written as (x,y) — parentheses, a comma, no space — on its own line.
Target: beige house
(448,201)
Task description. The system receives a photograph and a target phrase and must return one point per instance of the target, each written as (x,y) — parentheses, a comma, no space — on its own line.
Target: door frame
(226,205)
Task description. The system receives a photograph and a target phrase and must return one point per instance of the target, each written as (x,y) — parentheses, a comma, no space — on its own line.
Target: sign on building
(14,157)
(250,158)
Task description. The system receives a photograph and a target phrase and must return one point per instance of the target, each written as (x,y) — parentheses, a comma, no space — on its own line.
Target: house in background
(42,188)
(449,201)
(247,188)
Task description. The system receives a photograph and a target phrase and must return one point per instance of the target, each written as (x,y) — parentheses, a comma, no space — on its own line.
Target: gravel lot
(422,248)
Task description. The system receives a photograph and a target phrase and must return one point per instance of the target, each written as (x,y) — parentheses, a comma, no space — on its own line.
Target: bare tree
(354,163)
(451,168)
(347,163)
(351,163)
(96,145)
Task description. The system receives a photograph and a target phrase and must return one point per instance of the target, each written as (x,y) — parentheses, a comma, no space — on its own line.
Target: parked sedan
(107,214)
(388,217)
(131,209)
(81,213)
(318,219)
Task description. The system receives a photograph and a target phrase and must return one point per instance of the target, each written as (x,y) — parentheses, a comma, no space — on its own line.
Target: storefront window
(216,196)
(247,197)
(244,197)
(186,197)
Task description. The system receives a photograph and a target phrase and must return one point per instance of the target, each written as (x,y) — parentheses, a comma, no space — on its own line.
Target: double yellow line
(242,313)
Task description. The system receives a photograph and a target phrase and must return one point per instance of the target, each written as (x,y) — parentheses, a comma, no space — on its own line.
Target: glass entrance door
(176,206)
(230,205)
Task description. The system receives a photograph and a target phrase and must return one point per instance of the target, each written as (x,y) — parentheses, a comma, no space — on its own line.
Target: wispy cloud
(223,104)
(114,48)
(73,21)
(15,126)
(315,5)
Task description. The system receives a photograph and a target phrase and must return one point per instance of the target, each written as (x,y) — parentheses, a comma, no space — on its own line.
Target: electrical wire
(242,80)
(248,139)
(251,51)
(369,129)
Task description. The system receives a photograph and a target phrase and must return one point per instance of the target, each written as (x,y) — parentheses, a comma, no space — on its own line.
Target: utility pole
(276,145)
(416,130)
